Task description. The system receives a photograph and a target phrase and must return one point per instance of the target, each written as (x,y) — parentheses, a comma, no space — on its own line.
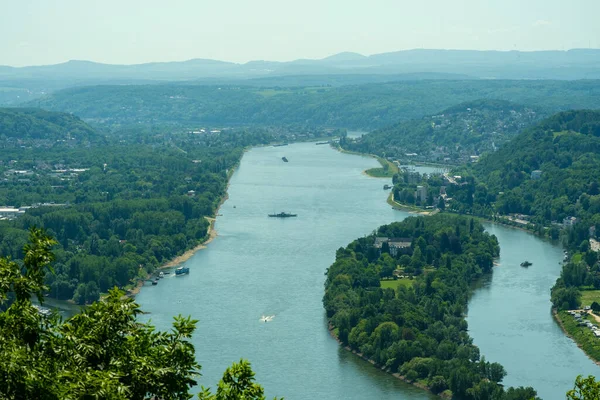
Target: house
(379,241)
(396,245)
(10,212)
(569,222)
(537,174)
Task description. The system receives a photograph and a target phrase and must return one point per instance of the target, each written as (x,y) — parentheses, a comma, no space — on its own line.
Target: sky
(38,32)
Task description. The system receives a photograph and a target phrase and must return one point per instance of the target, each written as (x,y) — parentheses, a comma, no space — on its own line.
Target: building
(569,222)
(396,245)
(421,194)
(10,212)
(537,174)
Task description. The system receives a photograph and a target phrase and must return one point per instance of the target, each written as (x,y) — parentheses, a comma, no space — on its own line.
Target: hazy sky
(34,32)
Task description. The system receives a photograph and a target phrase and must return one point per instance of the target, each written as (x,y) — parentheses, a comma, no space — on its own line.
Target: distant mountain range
(20,84)
(571,64)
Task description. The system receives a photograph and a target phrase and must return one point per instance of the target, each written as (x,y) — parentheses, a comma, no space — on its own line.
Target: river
(267,266)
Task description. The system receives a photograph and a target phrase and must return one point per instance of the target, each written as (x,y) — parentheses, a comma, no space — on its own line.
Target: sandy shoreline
(211,234)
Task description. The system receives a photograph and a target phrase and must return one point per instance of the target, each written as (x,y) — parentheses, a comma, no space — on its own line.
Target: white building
(10,212)
(421,194)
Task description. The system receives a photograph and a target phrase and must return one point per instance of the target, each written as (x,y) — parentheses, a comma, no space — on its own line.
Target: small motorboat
(525,263)
(155,282)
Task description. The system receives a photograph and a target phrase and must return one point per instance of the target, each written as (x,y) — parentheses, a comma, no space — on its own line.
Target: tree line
(418,330)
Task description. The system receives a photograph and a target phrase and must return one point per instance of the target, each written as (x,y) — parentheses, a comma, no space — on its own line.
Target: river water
(268,266)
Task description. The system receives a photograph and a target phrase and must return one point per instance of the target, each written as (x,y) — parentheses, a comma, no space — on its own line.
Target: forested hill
(454,134)
(414,324)
(566,149)
(367,106)
(35,124)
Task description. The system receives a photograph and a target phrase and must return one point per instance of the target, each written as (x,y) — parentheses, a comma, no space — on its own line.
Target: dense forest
(452,135)
(354,106)
(120,206)
(545,175)
(22,125)
(564,150)
(417,329)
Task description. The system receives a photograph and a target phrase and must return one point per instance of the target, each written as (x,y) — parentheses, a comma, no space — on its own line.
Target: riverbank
(447,394)
(581,335)
(411,209)
(210,236)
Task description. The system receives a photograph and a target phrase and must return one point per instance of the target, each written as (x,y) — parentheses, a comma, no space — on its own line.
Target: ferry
(283,215)
(182,271)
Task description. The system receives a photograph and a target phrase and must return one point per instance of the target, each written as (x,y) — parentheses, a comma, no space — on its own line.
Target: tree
(237,383)
(585,389)
(102,353)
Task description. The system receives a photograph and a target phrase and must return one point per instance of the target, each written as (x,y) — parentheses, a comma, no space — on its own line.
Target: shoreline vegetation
(211,235)
(333,332)
(387,170)
(577,334)
(384,329)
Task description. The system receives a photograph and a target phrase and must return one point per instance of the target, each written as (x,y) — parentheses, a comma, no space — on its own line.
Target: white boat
(266,318)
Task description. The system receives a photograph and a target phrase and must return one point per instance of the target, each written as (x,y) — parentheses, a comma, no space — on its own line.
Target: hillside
(365,106)
(452,135)
(571,64)
(21,126)
(566,149)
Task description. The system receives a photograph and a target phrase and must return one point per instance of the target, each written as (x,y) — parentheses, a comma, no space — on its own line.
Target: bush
(412,375)
(438,384)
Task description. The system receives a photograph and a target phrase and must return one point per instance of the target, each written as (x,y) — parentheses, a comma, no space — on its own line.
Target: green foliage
(417,330)
(358,106)
(101,353)
(584,337)
(21,125)
(585,389)
(237,383)
(129,212)
(456,133)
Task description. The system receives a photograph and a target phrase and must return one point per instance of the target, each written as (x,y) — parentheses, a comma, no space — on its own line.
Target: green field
(395,284)
(589,296)
(387,169)
(272,92)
